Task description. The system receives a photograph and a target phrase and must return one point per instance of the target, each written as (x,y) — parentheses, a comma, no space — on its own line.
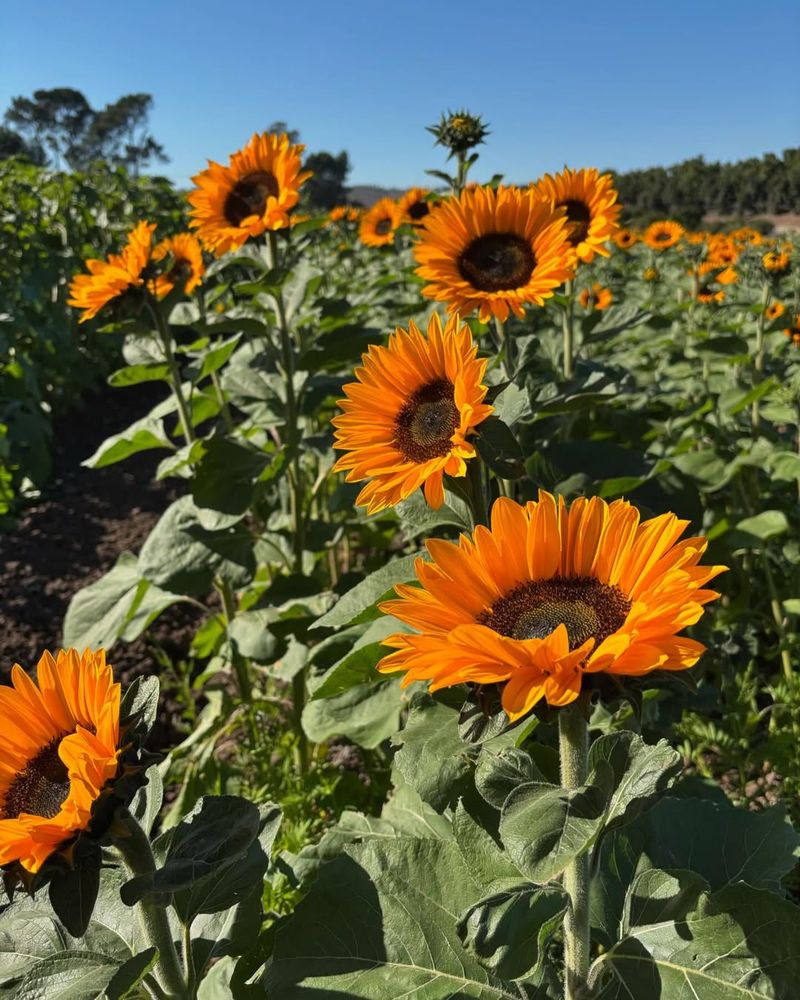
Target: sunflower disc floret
(550,593)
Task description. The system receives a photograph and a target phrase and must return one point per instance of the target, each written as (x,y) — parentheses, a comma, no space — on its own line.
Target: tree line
(687,191)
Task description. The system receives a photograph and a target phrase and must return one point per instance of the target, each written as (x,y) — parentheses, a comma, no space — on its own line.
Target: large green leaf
(367,714)
(379,923)
(224,481)
(740,944)
(120,604)
(365,594)
(142,435)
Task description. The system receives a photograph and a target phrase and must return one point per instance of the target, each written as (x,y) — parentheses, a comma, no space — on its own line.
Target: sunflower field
(488,510)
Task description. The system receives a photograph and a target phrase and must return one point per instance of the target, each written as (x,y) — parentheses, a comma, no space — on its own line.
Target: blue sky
(615,84)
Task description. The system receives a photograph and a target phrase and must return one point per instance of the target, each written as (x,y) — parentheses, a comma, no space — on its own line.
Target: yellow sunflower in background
(186,265)
(708,277)
(663,235)
(59,745)
(775,310)
(110,279)
(793,331)
(596,297)
(625,239)
(722,251)
(338,213)
(495,251)
(414,205)
(378,224)
(650,274)
(408,417)
(253,194)
(695,239)
(590,202)
(550,593)
(776,263)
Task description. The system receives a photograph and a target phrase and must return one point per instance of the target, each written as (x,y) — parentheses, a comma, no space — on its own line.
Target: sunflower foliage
(443,601)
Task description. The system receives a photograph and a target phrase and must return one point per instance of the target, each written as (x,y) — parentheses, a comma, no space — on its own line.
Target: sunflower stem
(758,358)
(567,325)
(573,741)
(292,445)
(176,384)
(138,856)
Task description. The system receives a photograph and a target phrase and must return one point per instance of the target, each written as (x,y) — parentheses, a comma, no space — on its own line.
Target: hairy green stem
(138,856)
(758,358)
(176,383)
(292,445)
(568,328)
(573,742)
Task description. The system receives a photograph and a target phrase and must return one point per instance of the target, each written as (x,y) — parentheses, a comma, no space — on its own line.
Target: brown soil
(73,535)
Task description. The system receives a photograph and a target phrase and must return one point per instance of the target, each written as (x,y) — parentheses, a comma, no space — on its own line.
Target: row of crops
(488,510)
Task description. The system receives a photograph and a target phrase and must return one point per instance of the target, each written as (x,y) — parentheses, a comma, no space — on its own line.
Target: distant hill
(368,194)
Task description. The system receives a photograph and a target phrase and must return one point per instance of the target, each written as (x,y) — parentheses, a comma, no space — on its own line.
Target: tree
(62,122)
(12,144)
(327,186)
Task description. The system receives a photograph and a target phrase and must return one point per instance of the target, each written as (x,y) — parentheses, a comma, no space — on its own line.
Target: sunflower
(338,213)
(597,297)
(414,205)
(408,417)
(708,276)
(59,746)
(548,594)
(775,310)
(775,263)
(590,201)
(110,279)
(722,251)
(695,239)
(250,196)
(625,239)
(662,235)
(793,331)
(378,225)
(186,265)
(650,274)
(495,251)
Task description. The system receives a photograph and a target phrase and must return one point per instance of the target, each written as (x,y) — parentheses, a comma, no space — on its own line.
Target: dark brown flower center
(383,227)
(418,210)
(40,787)
(426,422)
(663,236)
(588,608)
(578,219)
(497,262)
(180,272)
(249,196)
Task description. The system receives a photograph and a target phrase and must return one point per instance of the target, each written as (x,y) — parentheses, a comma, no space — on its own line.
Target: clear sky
(611,84)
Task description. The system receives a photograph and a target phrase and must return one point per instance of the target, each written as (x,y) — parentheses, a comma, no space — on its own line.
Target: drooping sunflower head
(253,194)
(495,251)
(663,235)
(59,748)
(409,415)
(378,225)
(776,263)
(415,205)
(109,280)
(589,200)
(625,239)
(548,596)
(185,267)
(597,297)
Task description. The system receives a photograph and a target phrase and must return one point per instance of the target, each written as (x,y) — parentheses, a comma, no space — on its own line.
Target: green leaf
(499,448)
(433,758)
(358,666)
(131,974)
(365,594)
(119,604)
(136,374)
(512,404)
(784,466)
(250,631)
(379,923)
(73,893)
(142,435)
(498,774)
(740,944)
(367,714)
(224,481)
(215,357)
(71,975)
(656,896)
(181,556)
(509,932)
(752,532)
